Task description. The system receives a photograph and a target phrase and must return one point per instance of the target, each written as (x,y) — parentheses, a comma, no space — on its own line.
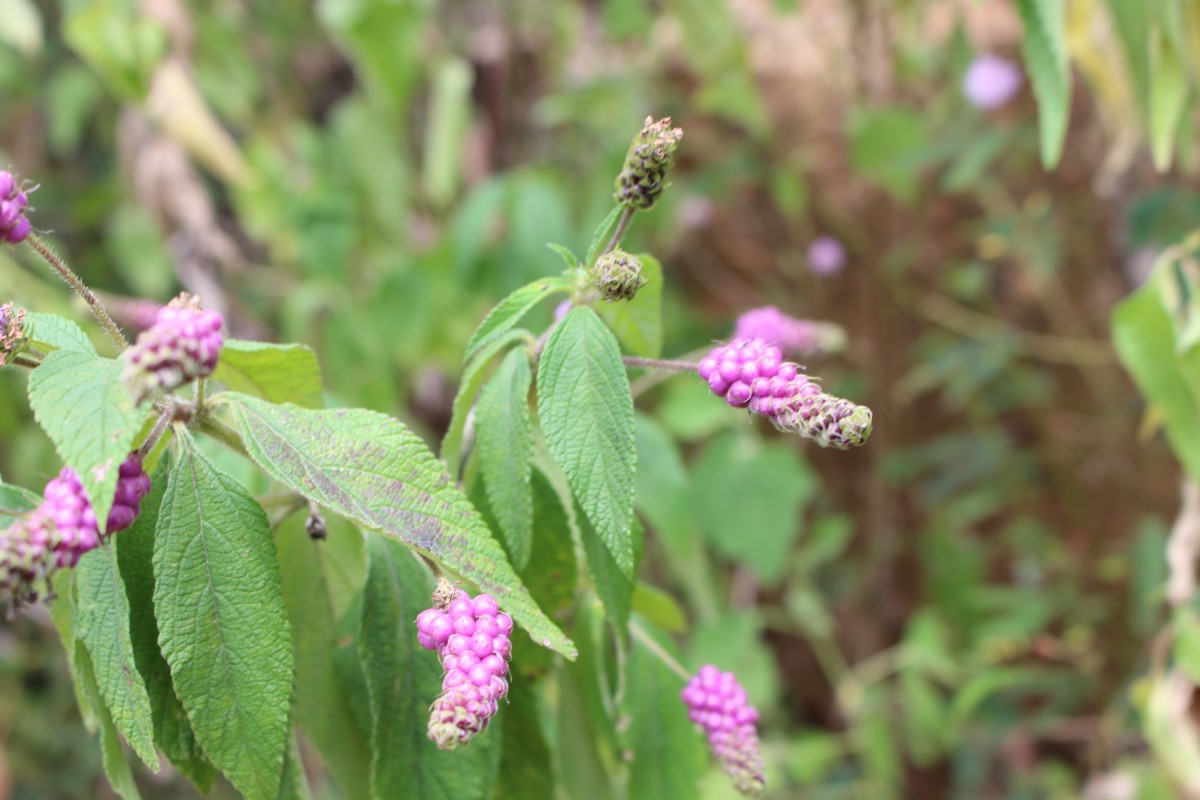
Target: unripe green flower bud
(651,156)
(617,275)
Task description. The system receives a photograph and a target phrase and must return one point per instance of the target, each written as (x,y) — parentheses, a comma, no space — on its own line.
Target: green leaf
(551,573)
(79,401)
(637,323)
(402,680)
(735,643)
(320,580)
(62,614)
(103,625)
(116,767)
(1145,342)
(52,332)
(472,378)
(15,500)
(659,608)
(1168,98)
(662,482)
(281,373)
(613,586)
(293,783)
(449,113)
(504,447)
(525,772)
(510,310)
(889,146)
(1044,45)
(222,625)
(748,497)
(1186,647)
(135,556)
(668,754)
(603,233)
(565,254)
(586,410)
(370,468)
(1131,24)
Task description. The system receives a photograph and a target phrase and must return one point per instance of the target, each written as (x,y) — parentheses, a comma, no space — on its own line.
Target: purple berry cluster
(717,703)
(14,226)
(182,345)
(470,636)
(791,335)
(751,374)
(27,558)
(12,332)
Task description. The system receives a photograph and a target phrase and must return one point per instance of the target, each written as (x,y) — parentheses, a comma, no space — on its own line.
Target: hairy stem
(67,274)
(639,633)
(619,232)
(660,363)
(160,427)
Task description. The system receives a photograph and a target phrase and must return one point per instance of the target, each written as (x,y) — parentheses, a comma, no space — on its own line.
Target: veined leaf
(222,625)
(52,332)
(504,449)
(637,323)
(372,469)
(116,768)
(103,625)
(1044,45)
(320,581)
(402,680)
(79,401)
(551,573)
(603,232)
(281,373)
(569,258)
(586,410)
(135,556)
(525,772)
(510,310)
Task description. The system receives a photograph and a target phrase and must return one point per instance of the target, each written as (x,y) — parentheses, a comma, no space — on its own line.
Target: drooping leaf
(586,410)
(116,767)
(103,626)
(613,586)
(551,573)
(281,373)
(79,401)
(222,625)
(472,378)
(135,557)
(668,754)
(1044,45)
(370,468)
(510,310)
(637,323)
(320,581)
(52,332)
(402,680)
(504,447)
(1168,99)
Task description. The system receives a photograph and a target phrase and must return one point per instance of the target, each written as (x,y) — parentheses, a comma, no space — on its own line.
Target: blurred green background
(962,608)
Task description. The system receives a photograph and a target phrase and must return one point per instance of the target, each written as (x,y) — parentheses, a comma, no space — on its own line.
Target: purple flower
(792,335)
(13,337)
(991,81)
(826,256)
(717,703)
(14,227)
(471,637)
(182,345)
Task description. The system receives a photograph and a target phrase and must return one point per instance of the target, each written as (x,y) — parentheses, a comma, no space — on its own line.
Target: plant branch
(160,427)
(67,274)
(218,430)
(655,648)
(669,365)
(619,233)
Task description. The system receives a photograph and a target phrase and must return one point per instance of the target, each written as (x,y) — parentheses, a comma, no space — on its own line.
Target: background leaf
(504,447)
(510,310)
(79,401)
(281,373)
(222,624)
(372,469)
(1044,45)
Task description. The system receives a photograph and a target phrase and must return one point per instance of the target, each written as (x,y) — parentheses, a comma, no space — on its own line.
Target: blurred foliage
(967,606)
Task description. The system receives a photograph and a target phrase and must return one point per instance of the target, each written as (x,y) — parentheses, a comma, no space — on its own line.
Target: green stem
(160,427)
(656,649)
(67,274)
(200,395)
(667,364)
(619,232)
(218,430)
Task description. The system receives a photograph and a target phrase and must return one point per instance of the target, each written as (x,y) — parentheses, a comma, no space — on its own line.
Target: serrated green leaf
(551,573)
(1132,21)
(613,587)
(62,614)
(637,323)
(525,772)
(281,373)
(320,580)
(103,625)
(668,753)
(1044,45)
(135,557)
(565,254)
(504,447)
(79,401)
(372,469)
(116,767)
(52,332)
(472,378)
(510,310)
(1168,98)
(222,625)
(293,783)
(402,680)
(603,232)
(586,410)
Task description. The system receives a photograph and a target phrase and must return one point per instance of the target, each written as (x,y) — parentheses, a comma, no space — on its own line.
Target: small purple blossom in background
(470,635)
(802,336)
(717,703)
(826,256)
(14,227)
(992,81)
(562,309)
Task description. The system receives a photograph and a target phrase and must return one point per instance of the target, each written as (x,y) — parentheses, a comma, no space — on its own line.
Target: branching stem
(67,274)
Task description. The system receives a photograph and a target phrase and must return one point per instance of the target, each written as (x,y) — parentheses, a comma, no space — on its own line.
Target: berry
(13,336)
(717,703)
(182,345)
(27,558)
(67,505)
(991,82)
(617,275)
(132,485)
(14,226)
(651,156)
(826,256)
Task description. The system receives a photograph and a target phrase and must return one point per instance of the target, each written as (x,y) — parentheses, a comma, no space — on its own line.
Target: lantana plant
(211,617)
